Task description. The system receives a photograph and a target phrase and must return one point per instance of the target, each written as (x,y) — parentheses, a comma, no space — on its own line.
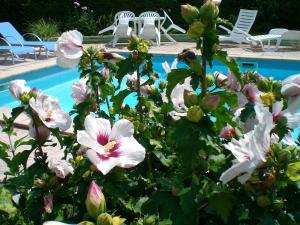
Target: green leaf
(119,99)
(187,199)
(106,90)
(6,204)
(16,112)
(176,76)
(165,222)
(216,162)
(19,159)
(162,158)
(126,66)
(293,171)
(286,219)
(230,63)
(248,112)
(222,203)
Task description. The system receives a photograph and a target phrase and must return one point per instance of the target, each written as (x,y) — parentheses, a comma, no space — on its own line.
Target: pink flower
(80,91)
(61,168)
(251,92)
(44,132)
(228,81)
(132,82)
(48,203)
(105,72)
(69,49)
(227,132)
(251,150)
(17,88)
(166,66)
(50,112)
(110,147)
(95,201)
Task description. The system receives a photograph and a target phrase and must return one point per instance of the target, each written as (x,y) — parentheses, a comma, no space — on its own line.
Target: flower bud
(263,201)
(118,220)
(149,220)
(264,85)
(162,85)
(48,203)
(143,46)
(208,11)
(196,30)
(133,42)
(277,204)
(284,156)
(38,183)
(227,132)
(210,102)
(189,13)
(209,79)
(194,114)
(220,79)
(268,98)
(104,219)
(187,56)
(112,57)
(95,201)
(86,223)
(17,88)
(190,98)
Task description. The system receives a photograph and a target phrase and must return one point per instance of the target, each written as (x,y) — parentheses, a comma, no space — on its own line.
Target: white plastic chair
(149,30)
(244,23)
(122,28)
(170,27)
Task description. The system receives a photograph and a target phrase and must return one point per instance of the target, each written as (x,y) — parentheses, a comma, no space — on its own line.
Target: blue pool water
(57,82)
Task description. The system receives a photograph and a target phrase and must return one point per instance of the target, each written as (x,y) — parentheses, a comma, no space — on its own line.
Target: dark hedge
(272,13)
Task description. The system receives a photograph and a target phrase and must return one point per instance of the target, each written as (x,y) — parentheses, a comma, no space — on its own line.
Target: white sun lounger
(244,23)
(170,27)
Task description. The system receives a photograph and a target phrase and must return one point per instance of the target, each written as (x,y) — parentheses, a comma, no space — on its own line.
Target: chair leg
(115,40)
(12,58)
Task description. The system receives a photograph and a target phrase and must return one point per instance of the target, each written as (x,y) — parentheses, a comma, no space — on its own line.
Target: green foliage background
(272,13)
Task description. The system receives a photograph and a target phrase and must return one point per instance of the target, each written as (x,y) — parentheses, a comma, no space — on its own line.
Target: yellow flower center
(109,146)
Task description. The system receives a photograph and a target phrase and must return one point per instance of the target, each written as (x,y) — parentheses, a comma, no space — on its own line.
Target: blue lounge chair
(16,51)
(8,31)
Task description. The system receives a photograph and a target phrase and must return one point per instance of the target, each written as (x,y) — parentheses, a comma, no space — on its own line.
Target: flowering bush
(195,149)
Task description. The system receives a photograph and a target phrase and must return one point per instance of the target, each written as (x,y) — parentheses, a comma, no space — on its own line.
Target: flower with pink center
(69,49)
(291,88)
(132,82)
(293,118)
(177,98)
(110,147)
(80,91)
(49,112)
(61,168)
(251,150)
(227,132)
(251,92)
(17,88)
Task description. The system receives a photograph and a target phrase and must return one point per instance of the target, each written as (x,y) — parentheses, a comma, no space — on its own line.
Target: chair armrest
(111,27)
(3,39)
(15,39)
(32,34)
(225,28)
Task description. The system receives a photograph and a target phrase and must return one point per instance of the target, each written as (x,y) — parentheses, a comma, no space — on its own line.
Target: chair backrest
(167,17)
(149,18)
(123,17)
(244,22)
(9,32)
(293,37)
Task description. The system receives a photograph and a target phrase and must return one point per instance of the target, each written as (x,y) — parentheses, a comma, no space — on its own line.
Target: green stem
(109,114)
(95,86)
(139,90)
(203,84)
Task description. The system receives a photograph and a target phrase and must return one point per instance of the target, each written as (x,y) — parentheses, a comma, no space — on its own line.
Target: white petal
(84,139)
(131,153)
(56,223)
(176,115)
(290,89)
(95,126)
(277,107)
(166,67)
(177,97)
(174,64)
(103,165)
(66,62)
(235,170)
(122,128)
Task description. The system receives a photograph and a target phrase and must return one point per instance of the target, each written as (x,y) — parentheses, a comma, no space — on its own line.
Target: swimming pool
(57,81)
